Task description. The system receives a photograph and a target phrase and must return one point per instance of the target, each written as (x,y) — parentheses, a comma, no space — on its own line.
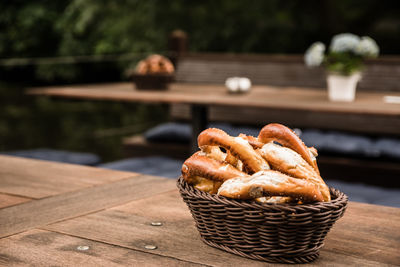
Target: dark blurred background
(80,41)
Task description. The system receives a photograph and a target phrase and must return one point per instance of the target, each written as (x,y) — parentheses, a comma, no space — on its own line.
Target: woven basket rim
(338,199)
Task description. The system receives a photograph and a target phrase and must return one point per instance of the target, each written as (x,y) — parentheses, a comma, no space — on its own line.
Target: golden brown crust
(214,152)
(286,137)
(274,199)
(237,146)
(201,165)
(289,162)
(141,67)
(243,171)
(270,183)
(154,64)
(253,141)
(205,184)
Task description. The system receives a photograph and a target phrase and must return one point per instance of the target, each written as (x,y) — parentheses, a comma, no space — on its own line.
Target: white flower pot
(342,88)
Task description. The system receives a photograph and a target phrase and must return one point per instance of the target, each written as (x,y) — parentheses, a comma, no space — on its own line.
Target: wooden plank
(38,179)
(44,248)
(10,200)
(281,98)
(354,240)
(280,70)
(177,238)
(356,216)
(68,205)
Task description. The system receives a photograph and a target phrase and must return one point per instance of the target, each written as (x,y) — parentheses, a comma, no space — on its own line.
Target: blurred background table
(69,215)
(304,107)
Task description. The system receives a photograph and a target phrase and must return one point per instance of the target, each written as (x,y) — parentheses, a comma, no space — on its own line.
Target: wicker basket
(277,233)
(152,81)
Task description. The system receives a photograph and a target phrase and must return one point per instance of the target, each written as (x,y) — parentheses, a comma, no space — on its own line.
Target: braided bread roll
(201,165)
(289,162)
(269,183)
(238,147)
(286,137)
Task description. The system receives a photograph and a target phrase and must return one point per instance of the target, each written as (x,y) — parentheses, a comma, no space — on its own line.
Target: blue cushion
(182,132)
(160,166)
(324,141)
(341,143)
(368,193)
(57,155)
(170,132)
(352,144)
(388,147)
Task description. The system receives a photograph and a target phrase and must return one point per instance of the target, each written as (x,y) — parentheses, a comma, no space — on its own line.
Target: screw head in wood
(82,248)
(151,247)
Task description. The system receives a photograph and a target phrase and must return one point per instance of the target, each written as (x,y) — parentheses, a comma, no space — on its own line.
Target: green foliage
(26,28)
(34,28)
(343,63)
(106,27)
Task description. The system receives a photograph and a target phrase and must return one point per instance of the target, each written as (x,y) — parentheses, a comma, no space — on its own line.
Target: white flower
(314,54)
(367,47)
(344,42)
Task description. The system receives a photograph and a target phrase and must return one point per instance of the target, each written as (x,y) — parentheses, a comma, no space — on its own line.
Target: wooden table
(290,101)
(60,214)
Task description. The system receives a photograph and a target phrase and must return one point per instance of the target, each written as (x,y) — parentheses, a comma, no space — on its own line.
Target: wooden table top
(61,214)
(283,98)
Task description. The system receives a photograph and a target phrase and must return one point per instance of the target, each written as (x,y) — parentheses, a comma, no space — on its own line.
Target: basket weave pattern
(152,81)
(278,233)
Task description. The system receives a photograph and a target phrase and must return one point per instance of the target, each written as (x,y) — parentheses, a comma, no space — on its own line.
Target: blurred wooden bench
(281,70)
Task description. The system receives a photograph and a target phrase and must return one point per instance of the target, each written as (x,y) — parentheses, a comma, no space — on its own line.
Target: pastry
(246,167)
(237,146)
(269,183)
(286,137)
(155,64)
(291,163)
(201,165)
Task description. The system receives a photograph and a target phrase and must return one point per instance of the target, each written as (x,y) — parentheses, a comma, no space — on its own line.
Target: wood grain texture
(282,98)
(38,179)
(68,205)
(365,236)
(369,232)
(44,248)
(177,239)
(10,200)
(280,70)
